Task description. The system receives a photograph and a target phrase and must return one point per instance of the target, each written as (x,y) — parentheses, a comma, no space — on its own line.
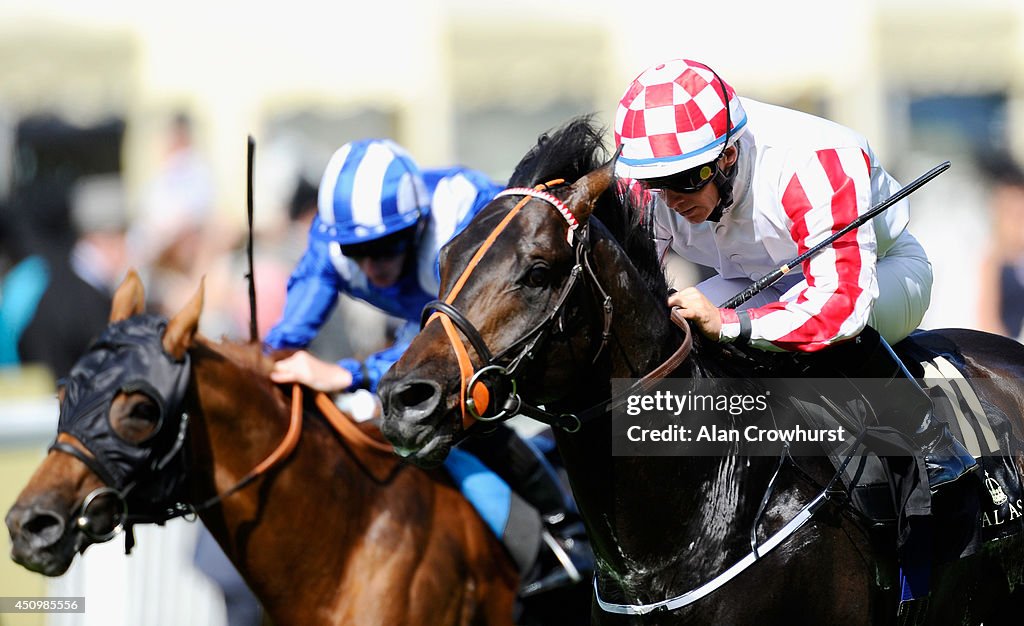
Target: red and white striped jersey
(800,178)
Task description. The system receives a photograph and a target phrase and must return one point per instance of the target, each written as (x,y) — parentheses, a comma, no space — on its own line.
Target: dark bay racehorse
(331,531)
(553,288)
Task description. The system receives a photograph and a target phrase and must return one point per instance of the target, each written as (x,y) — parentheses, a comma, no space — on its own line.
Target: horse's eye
(134,416)
(147,411)
(537,276)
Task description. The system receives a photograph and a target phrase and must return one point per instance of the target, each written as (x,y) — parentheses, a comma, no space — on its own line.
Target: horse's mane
(246,355)
(575,149)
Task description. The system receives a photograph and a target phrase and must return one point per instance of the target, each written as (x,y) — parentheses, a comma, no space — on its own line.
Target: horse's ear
(182,327)
(587,190)
(129,299)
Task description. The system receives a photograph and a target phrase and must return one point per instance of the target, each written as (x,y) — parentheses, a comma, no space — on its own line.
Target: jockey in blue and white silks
(374,199)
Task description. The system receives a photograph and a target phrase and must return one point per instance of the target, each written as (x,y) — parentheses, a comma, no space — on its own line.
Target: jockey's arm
(347,374)
(821,195)
(367,374)
(312,293)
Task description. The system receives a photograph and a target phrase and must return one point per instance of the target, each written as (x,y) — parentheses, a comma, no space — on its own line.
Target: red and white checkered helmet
(673,118)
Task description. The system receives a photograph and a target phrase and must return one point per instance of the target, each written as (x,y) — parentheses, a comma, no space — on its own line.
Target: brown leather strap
(679,355)
(663,370)
(481,251)
(345,427)
(287,445)
(281,452)
(465,366)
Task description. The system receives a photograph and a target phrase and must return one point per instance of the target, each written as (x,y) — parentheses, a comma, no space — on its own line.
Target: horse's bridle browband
(540,194)
(504,369)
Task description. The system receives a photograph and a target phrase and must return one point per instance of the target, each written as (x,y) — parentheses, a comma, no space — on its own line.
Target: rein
(281,452)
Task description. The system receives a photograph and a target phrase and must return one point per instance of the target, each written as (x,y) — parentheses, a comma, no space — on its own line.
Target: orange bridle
(479,394)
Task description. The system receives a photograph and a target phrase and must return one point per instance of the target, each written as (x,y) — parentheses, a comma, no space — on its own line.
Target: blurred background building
(124,124)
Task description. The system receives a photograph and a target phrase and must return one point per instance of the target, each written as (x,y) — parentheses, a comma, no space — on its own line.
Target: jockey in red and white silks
(796,180)
(800,178)
(744,187)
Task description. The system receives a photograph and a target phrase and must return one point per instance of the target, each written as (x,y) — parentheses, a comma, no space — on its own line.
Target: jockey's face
(383,259)
(694,207)
(696,204)
(382,271)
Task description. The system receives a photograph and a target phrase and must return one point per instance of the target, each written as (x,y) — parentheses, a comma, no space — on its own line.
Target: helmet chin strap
(723,180)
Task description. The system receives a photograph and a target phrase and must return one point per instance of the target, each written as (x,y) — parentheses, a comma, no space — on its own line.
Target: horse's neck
(657,522)
(663,525)
(643,334)
(239,421)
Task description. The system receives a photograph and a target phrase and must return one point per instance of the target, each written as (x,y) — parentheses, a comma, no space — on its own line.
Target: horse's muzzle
(414,401)
(38,540)
(414,415)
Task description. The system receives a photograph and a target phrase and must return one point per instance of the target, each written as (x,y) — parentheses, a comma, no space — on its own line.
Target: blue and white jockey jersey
(457,194)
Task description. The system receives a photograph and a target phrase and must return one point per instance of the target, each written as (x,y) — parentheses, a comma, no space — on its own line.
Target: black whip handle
(769,279)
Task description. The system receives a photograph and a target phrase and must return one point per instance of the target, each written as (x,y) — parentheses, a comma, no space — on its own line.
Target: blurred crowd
(70,230)
(69,233)
(1001,301)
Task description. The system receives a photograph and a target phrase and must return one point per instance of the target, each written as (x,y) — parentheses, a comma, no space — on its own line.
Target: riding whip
(769,279)
(254,333)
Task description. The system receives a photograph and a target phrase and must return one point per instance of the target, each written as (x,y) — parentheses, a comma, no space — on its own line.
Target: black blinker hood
(128,356)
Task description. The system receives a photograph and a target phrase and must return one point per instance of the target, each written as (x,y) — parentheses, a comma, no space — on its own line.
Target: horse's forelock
(576,149)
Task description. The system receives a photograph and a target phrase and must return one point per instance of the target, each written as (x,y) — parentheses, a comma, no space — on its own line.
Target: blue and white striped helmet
(370,189)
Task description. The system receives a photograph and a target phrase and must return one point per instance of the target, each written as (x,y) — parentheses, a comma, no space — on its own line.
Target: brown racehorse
(337,531)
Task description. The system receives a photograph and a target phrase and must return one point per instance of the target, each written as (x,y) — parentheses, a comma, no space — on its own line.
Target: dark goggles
(688,181)
(386,247)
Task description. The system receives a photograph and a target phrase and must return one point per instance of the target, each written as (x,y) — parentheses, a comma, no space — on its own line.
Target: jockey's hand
(303,367)
(694,306)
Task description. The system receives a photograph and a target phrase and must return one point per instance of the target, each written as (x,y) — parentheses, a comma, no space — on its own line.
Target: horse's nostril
(43,528)
(418,395)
